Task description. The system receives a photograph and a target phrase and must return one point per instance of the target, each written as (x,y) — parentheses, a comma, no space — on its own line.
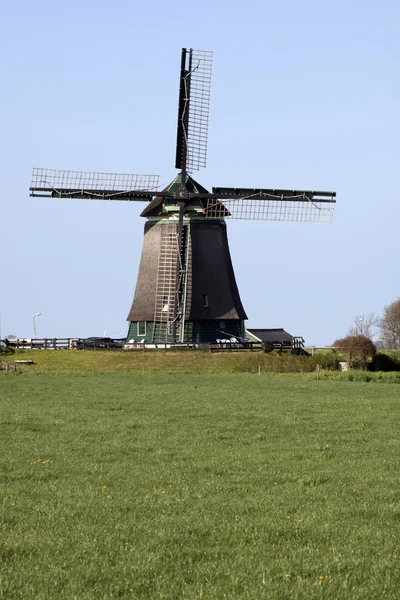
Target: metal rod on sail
(185,120)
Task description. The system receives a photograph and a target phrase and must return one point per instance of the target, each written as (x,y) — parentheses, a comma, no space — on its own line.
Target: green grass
(101,361)
(360,375)
(167,486)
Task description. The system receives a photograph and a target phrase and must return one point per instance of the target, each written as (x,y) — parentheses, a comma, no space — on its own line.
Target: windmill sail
(271,205)
(193,111)
(94,185)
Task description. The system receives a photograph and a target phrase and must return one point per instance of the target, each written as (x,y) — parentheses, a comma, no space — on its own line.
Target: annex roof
(271,335)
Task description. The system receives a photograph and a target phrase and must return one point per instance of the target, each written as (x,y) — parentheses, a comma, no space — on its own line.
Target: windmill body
(186,289)
(209,297)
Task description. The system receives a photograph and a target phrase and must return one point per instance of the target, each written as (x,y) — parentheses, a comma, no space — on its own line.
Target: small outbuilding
(277,339)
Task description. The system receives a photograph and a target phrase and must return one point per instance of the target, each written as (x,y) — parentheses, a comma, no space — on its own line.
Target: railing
(41,343)
(211,346)
(218,345)
(314,349)
(99,344)
(7,365)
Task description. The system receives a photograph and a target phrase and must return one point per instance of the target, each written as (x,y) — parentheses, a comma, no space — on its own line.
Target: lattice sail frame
(199,109)
(81,181)
(273,208)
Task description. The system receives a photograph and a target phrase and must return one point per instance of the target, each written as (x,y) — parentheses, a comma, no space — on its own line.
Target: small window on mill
(205,300)
(141,328)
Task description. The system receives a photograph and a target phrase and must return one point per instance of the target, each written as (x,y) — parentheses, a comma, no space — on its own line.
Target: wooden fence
(7,365)
(211,346)
(41,343)
(79,343)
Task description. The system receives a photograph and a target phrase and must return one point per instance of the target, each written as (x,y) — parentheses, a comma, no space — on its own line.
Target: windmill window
(205,300)
(222,325)
(141,328)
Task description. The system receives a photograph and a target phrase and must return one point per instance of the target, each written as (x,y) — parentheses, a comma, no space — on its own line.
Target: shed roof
(271,335)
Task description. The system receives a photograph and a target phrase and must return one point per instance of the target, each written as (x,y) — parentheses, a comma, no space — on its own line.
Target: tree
(390,324)
(364,325)
(356,349)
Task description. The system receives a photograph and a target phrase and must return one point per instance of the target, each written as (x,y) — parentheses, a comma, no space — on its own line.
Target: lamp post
(34,325)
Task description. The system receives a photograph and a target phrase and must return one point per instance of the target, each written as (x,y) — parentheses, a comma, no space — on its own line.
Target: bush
(6,349)
(357,350)
(288,363)
(386,362)
(354,375)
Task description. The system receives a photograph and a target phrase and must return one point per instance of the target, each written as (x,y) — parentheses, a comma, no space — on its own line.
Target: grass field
(209,486)
(101,361)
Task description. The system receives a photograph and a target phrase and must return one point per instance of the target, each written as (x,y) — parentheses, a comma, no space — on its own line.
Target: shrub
(385,362)
(6,349)
(354,375)
(288,363)
(357,350)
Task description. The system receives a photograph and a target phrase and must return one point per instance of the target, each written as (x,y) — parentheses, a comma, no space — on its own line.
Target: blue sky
(305,94)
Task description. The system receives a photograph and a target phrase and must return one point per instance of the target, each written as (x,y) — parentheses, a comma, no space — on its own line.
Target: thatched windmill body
(186,289)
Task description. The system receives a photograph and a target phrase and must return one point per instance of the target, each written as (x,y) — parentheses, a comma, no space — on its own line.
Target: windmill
(186,288)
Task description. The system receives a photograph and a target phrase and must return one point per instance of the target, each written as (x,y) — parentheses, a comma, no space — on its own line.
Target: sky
(305,95)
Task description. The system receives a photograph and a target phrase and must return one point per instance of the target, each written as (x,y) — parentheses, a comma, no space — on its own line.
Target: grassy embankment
(160,485)
(101,361)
